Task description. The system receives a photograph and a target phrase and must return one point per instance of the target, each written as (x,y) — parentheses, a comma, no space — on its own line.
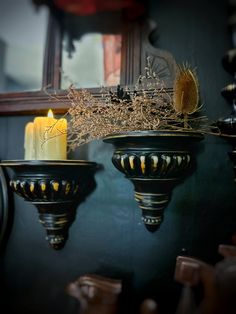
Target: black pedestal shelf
(233,158)
(56,188)
(155,161)
(229,137)
(227,125)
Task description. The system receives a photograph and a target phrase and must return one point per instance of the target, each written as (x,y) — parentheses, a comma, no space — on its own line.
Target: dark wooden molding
(32,103)
(131,54)
(53,53)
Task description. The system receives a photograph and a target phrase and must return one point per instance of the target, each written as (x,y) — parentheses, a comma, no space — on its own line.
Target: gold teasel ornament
(185,91)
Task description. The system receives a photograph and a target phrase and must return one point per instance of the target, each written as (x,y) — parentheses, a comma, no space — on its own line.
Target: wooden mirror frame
(136,47)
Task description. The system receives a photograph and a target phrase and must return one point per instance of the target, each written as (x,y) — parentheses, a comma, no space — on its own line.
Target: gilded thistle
(186,91)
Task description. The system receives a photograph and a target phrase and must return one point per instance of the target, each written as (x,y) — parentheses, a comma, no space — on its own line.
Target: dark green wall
(108,237)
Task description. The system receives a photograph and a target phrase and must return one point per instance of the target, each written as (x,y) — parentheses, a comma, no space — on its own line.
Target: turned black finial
(227,124)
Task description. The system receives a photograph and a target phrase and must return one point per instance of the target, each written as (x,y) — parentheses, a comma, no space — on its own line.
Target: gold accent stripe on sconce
(67,188)
(32,186)
(155,162)
(43,186)
(131,162)
(143,166)
(55,186)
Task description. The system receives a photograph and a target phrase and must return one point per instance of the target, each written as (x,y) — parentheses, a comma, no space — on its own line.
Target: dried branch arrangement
(147,105)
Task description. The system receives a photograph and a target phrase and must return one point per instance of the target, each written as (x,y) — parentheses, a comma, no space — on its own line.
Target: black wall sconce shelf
(155,162)
(55,187)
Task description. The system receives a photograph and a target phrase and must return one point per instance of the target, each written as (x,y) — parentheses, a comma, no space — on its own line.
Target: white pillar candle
(50,138)
(46,138)
(29,143)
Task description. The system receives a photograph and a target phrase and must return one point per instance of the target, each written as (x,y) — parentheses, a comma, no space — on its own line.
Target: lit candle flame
(50,114)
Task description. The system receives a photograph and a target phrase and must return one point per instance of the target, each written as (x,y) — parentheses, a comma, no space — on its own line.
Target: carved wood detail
(162,62)
(52,55)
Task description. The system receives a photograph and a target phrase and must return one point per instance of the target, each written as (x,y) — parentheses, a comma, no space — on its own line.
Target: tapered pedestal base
(56,219)
(232,156)
(153,196)
(155,161)
(55,188)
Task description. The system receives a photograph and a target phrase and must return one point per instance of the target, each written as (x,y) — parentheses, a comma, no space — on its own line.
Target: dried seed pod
(186,91)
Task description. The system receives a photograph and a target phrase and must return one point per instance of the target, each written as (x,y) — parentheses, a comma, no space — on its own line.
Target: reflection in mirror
(91,54)
(98,57)
(22,41)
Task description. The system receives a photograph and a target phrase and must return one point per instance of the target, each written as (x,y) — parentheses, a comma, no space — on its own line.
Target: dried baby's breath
(148,105)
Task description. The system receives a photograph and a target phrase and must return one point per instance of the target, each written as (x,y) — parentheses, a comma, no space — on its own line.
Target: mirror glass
(91,55)
(22,42)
